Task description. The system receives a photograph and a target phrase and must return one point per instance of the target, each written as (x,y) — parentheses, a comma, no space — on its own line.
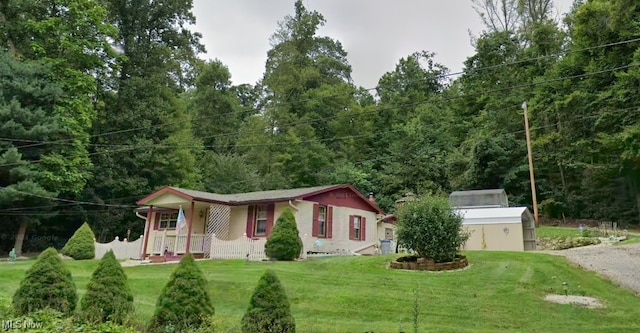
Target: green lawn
(500,292)
(552,232)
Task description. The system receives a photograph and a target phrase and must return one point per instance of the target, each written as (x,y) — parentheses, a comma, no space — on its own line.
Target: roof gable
(345,196)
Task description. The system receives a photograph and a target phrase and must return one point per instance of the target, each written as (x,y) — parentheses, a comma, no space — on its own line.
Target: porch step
(157,259)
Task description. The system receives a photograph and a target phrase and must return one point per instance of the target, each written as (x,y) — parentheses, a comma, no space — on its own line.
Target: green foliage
(226,173)
(81,246)
(47,284)
(284,243)
(269,309)
(184,302)
(48,320)
(6,309)
(108,297)
(430,227)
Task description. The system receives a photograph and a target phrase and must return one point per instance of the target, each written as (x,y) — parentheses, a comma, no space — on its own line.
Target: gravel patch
(588,302)
(619,263)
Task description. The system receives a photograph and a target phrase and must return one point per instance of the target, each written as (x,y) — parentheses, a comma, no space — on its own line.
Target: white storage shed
(499,229)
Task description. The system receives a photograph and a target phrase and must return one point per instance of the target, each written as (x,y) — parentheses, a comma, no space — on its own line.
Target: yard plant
(269,309)
(184,301)
(430,227)
(81,245)
(47,284)
(284,242)
(108,296)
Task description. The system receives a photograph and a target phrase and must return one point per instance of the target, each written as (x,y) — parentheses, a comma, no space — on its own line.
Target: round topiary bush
(81,245)
(269,309)
(108,296)
(431,227)
(47,284)
(284,242)
(184,301)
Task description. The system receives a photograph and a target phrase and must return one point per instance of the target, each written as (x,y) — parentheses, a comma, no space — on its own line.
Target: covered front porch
(206,215)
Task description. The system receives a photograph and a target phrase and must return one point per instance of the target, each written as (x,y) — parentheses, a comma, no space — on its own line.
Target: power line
(8,189)
(26,211)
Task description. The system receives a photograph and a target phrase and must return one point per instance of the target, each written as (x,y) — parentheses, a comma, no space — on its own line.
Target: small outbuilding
(499,229)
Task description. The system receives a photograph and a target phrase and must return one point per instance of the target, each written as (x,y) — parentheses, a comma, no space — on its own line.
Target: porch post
(190,226)
(147,227)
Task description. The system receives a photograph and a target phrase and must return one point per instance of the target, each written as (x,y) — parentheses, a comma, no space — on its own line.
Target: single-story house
(330,219)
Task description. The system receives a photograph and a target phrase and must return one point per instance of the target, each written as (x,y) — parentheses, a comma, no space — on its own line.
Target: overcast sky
(375,33)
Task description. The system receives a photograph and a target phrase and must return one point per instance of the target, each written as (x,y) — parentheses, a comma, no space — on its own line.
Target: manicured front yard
(500,292)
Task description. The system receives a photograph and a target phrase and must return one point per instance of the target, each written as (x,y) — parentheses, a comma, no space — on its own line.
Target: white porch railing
(196,245)
(177,244)
(241,248)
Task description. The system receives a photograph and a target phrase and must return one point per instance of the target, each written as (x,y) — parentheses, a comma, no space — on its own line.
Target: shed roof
(479,198)
(493,215)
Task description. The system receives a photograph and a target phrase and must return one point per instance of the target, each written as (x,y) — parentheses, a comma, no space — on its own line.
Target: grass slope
(500,292)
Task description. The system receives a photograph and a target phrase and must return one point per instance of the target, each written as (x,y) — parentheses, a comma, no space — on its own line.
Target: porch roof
(248,198)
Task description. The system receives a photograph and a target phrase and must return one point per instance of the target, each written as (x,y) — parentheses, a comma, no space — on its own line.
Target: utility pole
(533,181)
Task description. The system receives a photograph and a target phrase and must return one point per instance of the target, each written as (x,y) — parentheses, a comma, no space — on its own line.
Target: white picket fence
(241,248)
(121,249)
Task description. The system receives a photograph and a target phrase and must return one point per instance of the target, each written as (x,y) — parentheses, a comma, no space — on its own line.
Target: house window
(261,221)
(356,227)
(322,221)
(168,220)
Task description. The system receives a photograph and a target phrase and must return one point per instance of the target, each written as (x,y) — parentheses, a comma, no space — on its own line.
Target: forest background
(104,101)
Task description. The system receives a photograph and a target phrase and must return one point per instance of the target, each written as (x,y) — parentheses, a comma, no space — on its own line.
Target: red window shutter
(363,228)
(270,212)
(329,222)
(250,220)
(352,230)
(315,225)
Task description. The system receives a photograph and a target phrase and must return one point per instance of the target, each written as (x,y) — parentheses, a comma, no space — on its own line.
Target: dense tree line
(102,102)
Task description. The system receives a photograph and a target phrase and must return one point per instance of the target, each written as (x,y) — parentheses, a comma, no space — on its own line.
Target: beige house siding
(340,231)
(238,223)
(495,237)
(382,228)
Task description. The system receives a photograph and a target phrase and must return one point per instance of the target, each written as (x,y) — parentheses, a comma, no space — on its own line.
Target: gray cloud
(375,33)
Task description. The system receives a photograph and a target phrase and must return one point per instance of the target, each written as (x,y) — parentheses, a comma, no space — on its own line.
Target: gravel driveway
(619,263)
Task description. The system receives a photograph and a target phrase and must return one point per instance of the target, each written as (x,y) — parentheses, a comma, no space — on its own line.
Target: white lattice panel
(218,224)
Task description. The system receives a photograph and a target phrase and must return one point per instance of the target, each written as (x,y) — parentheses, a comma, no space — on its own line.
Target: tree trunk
(3,20)
(20,236)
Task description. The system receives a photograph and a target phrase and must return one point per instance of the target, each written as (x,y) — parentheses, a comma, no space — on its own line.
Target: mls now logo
(19,324)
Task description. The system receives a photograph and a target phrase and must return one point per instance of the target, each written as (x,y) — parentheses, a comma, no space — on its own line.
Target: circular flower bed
(422,264)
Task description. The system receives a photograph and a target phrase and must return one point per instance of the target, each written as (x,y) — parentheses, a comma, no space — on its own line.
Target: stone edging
(422,264)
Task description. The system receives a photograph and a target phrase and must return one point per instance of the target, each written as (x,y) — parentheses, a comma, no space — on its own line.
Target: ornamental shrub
(108,296)
(430,227)
(81,245)
(184,302)
(269,309)
(284,242)
(47,284)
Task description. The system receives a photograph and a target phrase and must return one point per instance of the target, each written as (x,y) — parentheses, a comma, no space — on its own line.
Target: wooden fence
(121,249)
